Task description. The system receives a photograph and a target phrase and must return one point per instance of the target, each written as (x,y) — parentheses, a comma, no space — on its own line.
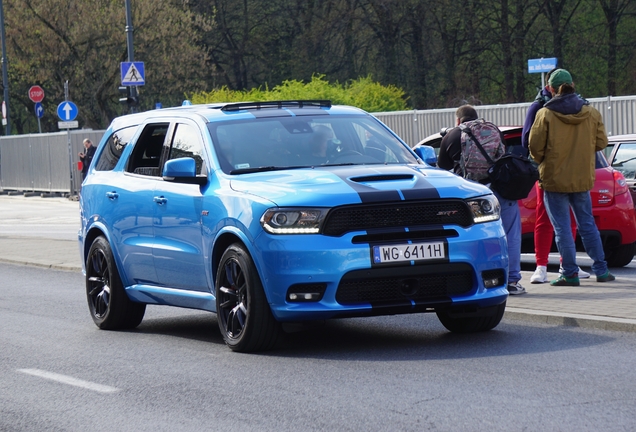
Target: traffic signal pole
(129,44)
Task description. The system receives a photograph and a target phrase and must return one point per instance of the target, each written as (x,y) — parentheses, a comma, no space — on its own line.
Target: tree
(614,10)
(54,41)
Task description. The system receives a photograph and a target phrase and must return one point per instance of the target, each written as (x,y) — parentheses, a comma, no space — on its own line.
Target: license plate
(408,252)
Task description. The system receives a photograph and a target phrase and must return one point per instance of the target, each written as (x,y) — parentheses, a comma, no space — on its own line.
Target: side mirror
(444,131)
(427,154)
(183,170)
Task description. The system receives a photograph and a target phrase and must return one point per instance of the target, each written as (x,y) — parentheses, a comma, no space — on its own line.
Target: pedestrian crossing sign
(132,74)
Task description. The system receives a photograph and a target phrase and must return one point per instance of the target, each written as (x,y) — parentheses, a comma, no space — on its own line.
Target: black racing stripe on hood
(366,193)
(423,189)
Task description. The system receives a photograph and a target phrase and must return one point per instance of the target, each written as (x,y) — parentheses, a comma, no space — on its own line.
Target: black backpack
(511,176)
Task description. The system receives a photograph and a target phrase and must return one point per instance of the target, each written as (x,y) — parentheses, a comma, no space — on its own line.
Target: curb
(571,320)
(64,267)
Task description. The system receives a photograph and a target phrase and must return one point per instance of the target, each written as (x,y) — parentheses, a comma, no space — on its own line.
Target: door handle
(112,195)
(160,200)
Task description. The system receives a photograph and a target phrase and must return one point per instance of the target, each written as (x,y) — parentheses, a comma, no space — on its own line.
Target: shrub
(363,93)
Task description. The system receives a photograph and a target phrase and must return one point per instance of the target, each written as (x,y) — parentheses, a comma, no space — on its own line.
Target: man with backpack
(459,153)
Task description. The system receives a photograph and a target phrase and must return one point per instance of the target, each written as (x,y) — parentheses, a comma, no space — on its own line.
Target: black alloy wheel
(108,303)
(245,319)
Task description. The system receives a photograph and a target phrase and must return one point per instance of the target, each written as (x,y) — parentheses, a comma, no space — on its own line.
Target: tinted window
(113,148)
(146,155)
(187,143)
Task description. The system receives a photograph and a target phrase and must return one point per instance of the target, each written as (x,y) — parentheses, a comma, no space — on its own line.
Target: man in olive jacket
(564,139)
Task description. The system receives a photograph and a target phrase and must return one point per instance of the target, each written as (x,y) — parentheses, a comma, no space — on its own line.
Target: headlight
(484,209)
(293,221)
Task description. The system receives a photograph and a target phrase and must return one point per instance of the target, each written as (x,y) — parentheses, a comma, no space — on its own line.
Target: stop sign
(36,94)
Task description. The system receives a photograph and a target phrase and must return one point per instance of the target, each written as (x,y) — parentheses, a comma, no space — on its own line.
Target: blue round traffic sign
(39,110)
(67,111)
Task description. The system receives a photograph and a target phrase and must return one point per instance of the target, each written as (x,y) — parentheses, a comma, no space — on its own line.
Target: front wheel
(108,303)
(458,324)
(245,319)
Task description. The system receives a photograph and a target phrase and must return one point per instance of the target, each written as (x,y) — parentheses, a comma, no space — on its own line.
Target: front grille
(397,215)
(405,284)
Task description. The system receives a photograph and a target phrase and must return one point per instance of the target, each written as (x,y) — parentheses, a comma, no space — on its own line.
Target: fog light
(491,283)
(306,292)
(493,278)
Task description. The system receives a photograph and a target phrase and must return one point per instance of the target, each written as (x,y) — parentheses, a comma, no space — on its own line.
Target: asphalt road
(58,372)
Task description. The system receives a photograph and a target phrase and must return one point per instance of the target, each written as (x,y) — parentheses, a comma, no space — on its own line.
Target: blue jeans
(512,226)
(558,206)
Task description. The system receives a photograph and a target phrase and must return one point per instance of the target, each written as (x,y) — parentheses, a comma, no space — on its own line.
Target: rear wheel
(245,319)
(621,255)
(471,324)
(108,303)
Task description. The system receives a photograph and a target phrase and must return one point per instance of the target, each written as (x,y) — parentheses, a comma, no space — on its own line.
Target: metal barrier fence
(413,126)
(41,162)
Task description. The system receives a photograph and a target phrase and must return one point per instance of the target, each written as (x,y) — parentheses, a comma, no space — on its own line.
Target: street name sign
(541,65)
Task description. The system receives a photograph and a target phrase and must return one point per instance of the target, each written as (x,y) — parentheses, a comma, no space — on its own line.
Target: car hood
(332,186)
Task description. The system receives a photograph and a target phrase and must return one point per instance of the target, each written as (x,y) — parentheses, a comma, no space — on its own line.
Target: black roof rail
(277,104)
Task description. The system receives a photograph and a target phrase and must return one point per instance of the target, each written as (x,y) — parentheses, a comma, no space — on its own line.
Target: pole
(5,65)
(70,147)
(129,45)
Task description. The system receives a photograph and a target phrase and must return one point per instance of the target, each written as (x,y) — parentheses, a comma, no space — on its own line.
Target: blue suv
(287,211)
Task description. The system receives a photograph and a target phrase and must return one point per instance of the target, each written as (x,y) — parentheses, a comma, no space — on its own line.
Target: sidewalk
(43,232)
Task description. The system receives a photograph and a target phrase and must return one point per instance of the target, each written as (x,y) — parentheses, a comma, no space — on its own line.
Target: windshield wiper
(265,169)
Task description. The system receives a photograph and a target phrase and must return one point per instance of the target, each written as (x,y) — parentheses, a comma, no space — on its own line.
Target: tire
(108,303)
(472,324)
(245,319)
(620,256)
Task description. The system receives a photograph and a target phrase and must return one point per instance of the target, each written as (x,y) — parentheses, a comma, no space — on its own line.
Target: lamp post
(5,66)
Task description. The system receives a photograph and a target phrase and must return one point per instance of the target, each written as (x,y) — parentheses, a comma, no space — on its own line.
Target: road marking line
(64,379)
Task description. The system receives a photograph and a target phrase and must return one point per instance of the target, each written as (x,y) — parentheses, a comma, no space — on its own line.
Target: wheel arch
(222,242)
(97,230)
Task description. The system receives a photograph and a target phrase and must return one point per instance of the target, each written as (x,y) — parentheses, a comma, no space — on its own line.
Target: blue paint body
(167,236)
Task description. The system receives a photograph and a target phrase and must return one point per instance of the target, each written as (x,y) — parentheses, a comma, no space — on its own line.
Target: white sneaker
(540,275)
(582,273)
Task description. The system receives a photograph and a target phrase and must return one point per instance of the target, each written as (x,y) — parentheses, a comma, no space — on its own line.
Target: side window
(114,148)
(186,142)
(146,155)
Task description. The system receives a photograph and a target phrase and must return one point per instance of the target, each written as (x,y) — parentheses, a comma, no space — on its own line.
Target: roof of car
(438,136)
(234,110)
(626,137)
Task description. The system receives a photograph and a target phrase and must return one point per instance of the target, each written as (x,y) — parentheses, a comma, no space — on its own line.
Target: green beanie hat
(559,77)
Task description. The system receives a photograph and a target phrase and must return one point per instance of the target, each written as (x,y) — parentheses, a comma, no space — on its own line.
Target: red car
(612,205)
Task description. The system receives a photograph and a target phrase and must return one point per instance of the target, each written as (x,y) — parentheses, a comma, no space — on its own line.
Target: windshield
(273,143)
